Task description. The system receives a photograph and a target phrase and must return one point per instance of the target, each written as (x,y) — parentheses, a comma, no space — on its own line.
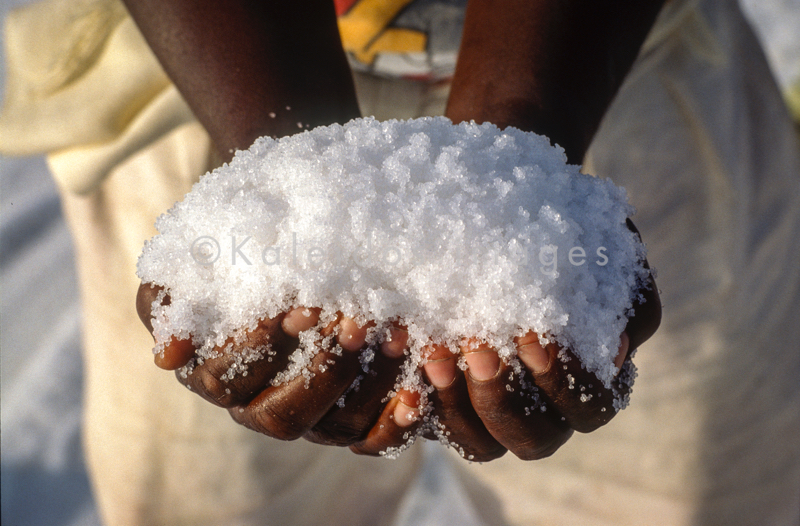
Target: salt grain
(450,230)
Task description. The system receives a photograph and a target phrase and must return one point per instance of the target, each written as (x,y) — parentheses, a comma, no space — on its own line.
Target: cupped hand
(491,407)
(531,409)
(307,405)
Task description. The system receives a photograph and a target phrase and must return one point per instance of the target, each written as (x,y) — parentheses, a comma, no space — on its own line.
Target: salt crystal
(451,230)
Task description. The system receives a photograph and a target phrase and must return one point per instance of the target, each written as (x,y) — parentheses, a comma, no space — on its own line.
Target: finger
(397,424)
(646,316)
(512,415)
(457,419)
(175,354)
(357,410)
(300,319)
(145,297)
(241,369)
(289,410)
(647,309)
(579,396)
(397,342)
(361,406)
(351,336)
(622,353)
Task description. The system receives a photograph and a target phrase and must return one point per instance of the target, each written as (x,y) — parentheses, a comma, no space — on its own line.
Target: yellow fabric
(66,56)
(392,40)
(364,32)
(81,168)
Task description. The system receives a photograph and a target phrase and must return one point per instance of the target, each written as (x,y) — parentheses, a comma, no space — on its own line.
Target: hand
(486,409)
(299,407)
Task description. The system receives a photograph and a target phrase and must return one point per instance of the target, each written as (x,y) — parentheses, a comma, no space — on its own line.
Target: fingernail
(624,344)
(482,360)
(533,355)
(440,367)
(351,337)
(299,320)
(405,415)
(395,345)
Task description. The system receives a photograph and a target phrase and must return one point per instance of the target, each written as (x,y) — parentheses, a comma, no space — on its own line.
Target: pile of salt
(452,230)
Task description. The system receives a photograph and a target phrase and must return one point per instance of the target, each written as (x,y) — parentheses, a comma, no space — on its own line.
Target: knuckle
(145,297)
(587,421)
(486,455)
(359,449)
(534,453)
(277,422)
(578,395)
(282,430)
(333,437)
(265,422)
(212,388)
(539,448)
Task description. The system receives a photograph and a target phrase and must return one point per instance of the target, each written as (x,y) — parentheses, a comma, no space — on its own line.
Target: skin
(239,63)
(543,66)
(550,67)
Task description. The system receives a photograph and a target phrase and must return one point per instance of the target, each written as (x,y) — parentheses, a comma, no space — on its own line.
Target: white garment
(700,139)
(156,453)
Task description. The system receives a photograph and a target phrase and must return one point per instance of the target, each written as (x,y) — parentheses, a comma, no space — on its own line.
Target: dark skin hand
(293,409)
(543,66)
(554,71)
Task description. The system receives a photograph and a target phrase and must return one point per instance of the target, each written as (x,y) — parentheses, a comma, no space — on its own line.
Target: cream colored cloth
(84,87)
(699,137)
(156,453)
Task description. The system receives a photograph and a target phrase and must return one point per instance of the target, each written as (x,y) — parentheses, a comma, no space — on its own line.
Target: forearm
(241,64)
(548,66)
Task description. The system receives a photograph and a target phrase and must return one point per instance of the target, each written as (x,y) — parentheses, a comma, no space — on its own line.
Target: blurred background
(43,477)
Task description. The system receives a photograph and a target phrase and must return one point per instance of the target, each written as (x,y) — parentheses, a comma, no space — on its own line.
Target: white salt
(453,231)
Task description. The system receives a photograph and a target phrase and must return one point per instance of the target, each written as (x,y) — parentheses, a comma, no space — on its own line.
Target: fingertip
(395,345)
(482,360)
(406,411)
(351,337)
(531,352)
(624,346)
(300,319)
(175,355)
(440,368)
